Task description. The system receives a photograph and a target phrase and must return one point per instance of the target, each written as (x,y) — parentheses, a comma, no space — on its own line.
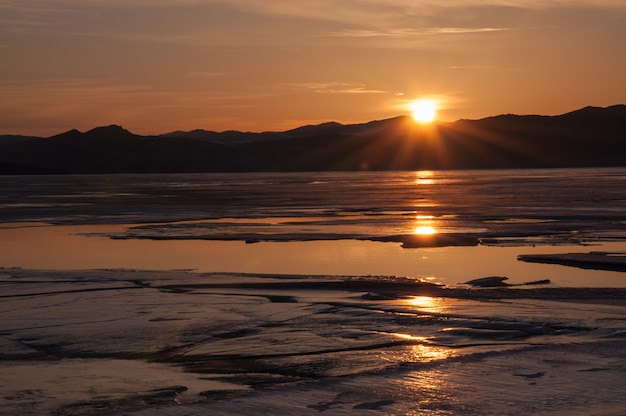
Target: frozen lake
(309,293)
(447,227)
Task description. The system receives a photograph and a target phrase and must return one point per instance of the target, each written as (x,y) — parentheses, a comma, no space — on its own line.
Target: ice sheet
(178,342)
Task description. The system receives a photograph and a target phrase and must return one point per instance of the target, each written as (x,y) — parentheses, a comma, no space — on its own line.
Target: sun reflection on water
(431,391)
(421,352)
(425,353)
(429,304)
(429,388)
(423,301)
(421,349)
(424,225)
(425,177)
(425,230)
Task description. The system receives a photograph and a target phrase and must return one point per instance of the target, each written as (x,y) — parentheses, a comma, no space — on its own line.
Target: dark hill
(588,137)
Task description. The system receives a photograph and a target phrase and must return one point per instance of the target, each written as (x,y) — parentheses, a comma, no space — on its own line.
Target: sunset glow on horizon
(157,67)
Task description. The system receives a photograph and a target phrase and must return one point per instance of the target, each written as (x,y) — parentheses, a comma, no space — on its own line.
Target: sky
(156,66)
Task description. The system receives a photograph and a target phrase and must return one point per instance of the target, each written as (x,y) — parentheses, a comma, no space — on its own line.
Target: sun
(424,110)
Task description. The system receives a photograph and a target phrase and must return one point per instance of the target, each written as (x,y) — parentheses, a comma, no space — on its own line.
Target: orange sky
(156,66)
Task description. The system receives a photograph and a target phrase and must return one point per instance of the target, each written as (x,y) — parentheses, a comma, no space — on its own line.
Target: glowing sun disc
(424,111)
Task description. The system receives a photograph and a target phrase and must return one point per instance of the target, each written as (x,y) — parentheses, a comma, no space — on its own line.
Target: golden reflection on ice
(409,337)
(425,177)
(427,304)
(428,387)
(421,352)
(422,301)
(432,391)
(425,230)
(425,353)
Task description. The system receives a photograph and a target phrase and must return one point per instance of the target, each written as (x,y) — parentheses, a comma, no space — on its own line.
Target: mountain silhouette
(588,137)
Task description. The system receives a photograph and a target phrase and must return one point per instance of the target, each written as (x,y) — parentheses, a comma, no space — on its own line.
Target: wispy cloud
(362,12)
(49,106)
(338,88)
(407,33)
(367,12)
(207,74)
(476,67)
(24,14)
(87,89)
(113,90)
(361,18)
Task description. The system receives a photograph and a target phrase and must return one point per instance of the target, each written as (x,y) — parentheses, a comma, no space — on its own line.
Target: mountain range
(588,137)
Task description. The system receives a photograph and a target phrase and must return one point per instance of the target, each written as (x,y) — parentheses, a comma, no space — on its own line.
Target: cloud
(475,67)
(19,14)
(338,88)
(49,106)
(406,33)
(370,11)
(45,92)
(178,21)
(359,13)
(207,74)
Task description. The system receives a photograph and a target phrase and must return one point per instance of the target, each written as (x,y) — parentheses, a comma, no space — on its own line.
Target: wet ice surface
(299,338)
(561,204)
(451,224)
(176,342)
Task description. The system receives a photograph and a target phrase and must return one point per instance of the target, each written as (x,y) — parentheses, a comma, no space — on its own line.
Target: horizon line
(308,125)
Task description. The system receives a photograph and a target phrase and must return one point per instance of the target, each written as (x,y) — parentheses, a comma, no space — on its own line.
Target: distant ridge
(97,133)
(587,137)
